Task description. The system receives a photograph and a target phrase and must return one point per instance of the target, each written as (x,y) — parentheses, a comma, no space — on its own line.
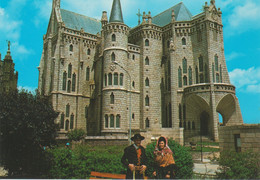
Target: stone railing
(205,87)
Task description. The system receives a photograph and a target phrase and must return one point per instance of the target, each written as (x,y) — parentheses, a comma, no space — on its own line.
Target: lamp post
(130,102)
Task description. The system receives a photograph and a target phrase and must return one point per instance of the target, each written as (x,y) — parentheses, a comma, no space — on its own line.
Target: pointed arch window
(220,73)
(147,82)
(74,82)
(72,121)
(121,79)
(133,84)
(193,125)
(105,80)
(113,56)
(216,62)
(147,43)
(197,75)
(146,61)
(64,81)
(190,76)
(62,119)
(118,121)
(201,78)
(110,79)
(67,125)
(69,87)
(88,51)
(184,111)
(147,123)
(180,112)
(180,77)
(185,81)
(112,121)
(133,57)
(183,41)
(113,37)
(184,65)
(217,77)
(112,98)
(116,79)
(106,121)
(206,73)
(189,127)
(213,72)
(147,101)
(69,70)
(71,48)
(201,64)
(180,124)
(87,74)
(67,110)
(184,125)
(86,112)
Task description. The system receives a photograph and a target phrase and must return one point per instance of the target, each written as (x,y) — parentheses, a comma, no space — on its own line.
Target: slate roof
(77,21)
(116,12)
(181,14)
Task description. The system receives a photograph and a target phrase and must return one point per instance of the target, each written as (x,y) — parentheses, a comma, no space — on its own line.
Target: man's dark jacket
(130,157)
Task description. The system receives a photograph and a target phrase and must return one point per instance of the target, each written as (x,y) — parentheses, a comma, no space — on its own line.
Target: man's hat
(137,136)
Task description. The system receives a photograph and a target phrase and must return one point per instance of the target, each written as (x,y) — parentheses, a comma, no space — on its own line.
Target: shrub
(242,165)
(182,157)
(76,135)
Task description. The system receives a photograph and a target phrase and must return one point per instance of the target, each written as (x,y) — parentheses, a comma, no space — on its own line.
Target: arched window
(62,118)
(206,74)
(118,121)
(197,75)
(121,79)
(193,125)
(216,62)
(147,101)
(105,79)
(147,123)
(184,125)
(113,57)
(110,79)
(220,73)
(133,57)
(147,82)
(71,48)
(147,42)
(67,110)
(133,84)
(133,116)
(72,121)
(113,37)
(201,64)
(213,72)
(184,65)
(217,77)
(183,41)
(74,82)
(189,125)
(116,79)
(180,112)
(180,124)
(69,70)
(87,74)
(112,98)
(69,86)
(88,52)
(64,81)
(106,121)
(201,78)
(180,77)
(86,112)
(185,81)
(112,119)
(67,125)
(190,76)
(146,61)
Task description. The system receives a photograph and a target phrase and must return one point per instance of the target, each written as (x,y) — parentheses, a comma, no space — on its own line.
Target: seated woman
(164,162)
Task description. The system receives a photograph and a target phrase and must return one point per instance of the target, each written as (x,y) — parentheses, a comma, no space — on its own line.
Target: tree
(27,126)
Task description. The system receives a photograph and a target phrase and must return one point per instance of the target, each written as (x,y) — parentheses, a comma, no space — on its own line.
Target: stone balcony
(206,87)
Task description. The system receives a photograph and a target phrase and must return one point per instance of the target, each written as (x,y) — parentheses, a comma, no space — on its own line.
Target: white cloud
(233,55)
(2,11)
(247,80)
(26,88)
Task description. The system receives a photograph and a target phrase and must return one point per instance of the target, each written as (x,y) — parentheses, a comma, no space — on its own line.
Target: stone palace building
(166,76)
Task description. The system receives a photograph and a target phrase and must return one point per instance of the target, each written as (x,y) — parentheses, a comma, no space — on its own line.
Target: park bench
(101,175)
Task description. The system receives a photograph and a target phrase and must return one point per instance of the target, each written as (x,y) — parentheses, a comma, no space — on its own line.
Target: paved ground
(205,168)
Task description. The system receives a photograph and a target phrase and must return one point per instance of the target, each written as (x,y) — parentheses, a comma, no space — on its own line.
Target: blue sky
(24,22)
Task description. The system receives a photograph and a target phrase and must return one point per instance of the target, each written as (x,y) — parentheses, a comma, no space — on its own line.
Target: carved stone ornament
(112,67)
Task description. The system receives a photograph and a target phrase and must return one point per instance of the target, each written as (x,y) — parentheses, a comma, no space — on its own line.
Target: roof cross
(139,15)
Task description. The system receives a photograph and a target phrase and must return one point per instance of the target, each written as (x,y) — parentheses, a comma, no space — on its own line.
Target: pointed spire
(56,3)
(8,54)
(116,12)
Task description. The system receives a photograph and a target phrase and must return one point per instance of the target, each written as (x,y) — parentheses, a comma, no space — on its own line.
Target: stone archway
(227,108)
(204,123)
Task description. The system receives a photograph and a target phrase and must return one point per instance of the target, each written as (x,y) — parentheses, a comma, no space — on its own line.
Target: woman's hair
(162,139)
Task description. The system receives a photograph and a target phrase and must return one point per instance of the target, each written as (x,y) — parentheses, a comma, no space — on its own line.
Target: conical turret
(116,12)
